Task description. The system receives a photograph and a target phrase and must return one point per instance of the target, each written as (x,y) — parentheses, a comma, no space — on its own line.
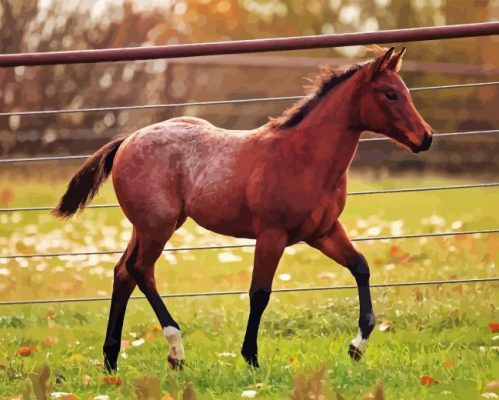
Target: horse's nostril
(426,143)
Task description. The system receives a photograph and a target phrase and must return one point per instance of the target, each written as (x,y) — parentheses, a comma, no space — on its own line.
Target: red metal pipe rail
(250,46)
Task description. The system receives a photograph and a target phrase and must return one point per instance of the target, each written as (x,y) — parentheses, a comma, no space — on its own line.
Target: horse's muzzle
(425,144)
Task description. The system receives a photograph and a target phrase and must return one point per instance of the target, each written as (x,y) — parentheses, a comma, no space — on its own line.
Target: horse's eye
(391,95)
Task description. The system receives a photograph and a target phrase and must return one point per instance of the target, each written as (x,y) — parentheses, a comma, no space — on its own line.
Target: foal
(281,183)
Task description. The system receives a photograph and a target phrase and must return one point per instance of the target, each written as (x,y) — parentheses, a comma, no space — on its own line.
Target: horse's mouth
(425,144)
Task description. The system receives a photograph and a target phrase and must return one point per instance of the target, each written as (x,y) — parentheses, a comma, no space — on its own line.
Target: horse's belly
(224,212)
(223,220)
(240,228)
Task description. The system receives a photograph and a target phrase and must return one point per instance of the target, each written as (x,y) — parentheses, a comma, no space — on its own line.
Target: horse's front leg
(337,246)
(270,245)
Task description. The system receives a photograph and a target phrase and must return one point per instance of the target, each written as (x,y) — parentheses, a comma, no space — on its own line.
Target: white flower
(227,354)
(374,231)
(138,342)
(227,257)
(284,277)
(389,267)
(330,275)
(59,395)
(248,393)
(456,225)
(396,227)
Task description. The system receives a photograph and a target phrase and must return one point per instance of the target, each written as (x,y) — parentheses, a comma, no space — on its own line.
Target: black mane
(325,81)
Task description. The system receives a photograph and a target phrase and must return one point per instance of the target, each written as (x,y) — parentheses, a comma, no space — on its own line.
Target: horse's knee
(259,301)
(360,270)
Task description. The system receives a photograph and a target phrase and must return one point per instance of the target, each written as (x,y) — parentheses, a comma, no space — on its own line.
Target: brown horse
(281,183)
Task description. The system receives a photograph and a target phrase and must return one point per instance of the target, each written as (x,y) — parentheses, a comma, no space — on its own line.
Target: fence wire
(368,192)
(239,246)
(376,139)
(244,292)
(216,102)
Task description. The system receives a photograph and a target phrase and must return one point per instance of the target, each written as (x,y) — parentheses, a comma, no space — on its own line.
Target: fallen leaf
(448,363)
(385,326)
(428,380)
(51,341)
(394,250)
(157,328)
(167,397)
(25,351)
(39,380)
(85,379)
(309,388)
(147,388)
(379,393)
(111,380)
(494,385)
(189,392)
(494,327)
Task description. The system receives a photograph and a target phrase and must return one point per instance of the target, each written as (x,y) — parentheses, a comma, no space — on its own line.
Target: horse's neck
(328,135)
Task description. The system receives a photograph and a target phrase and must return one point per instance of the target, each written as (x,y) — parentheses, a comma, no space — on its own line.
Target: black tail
(87,181)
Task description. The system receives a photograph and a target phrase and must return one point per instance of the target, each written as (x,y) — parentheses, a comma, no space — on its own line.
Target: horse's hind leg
(122,289)
(145,250)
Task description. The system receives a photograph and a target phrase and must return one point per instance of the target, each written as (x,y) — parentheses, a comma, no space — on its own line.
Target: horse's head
(386,105)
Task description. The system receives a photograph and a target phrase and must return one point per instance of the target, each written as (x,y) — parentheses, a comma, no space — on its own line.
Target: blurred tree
(47,25)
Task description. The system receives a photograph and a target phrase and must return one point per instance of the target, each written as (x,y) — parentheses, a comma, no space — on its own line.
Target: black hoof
(176,365)
(251,360)
(354,353)
(110,365)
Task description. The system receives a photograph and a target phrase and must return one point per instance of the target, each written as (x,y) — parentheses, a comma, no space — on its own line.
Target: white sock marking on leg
(359,343)
(174,338)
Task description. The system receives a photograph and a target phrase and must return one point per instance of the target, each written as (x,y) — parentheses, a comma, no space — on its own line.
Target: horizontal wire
(239,246)
(216,102)
(242,292)
(438,135)
(368,192)
(423,189)
(376,139)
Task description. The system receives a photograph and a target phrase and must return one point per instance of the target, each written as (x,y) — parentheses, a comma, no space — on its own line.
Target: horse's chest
(318,223)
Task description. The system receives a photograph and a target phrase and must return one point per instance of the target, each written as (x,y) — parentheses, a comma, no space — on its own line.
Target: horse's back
(183,166)
(190,120)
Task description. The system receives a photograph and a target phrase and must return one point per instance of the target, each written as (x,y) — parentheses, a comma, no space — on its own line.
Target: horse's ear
(396,61)
(382,62)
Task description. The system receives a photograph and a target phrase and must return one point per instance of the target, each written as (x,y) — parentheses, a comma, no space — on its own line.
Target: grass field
(437,331)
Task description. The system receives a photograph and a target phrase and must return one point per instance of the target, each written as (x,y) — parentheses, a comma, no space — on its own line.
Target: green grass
(300,332)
